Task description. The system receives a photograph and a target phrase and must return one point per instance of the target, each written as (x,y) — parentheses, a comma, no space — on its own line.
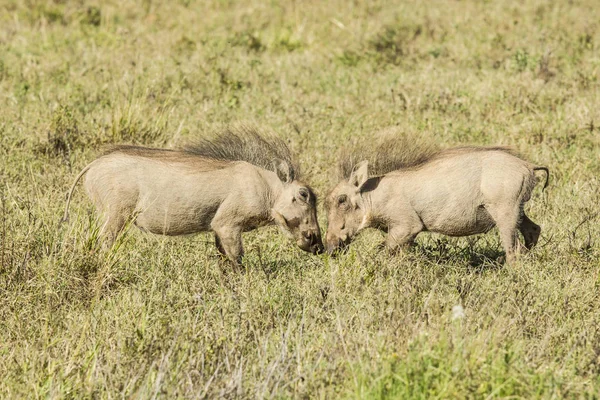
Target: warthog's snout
(337,246)
(312,243)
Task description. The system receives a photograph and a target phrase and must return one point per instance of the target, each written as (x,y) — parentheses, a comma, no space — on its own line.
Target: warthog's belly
(469,222)
(174,222)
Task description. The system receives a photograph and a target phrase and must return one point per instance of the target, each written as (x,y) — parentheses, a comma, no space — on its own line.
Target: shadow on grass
(476,259)
(274,264)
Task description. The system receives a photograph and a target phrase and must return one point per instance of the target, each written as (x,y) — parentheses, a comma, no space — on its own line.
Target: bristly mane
(397,152)
(236,143)
(245,143)
(389,151)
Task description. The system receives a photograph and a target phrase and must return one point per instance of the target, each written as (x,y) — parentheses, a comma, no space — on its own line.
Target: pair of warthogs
(241,179)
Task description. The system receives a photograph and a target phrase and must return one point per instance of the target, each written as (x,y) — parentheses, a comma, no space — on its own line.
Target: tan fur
(457,192)
(175,192)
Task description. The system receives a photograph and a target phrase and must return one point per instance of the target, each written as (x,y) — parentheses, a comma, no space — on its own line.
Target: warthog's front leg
(229,243)
(401,237)
(219,245)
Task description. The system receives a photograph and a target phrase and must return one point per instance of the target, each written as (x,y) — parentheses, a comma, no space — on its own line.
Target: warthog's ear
(283,170)
(359,176)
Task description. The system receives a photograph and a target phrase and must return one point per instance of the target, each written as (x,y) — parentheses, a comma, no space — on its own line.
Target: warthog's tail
(65,217)
(547,175)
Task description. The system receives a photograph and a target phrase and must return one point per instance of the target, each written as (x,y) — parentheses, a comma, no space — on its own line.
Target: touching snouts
(312,243)
(316,244)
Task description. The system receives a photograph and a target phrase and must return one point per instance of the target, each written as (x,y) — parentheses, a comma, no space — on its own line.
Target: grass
(163,317)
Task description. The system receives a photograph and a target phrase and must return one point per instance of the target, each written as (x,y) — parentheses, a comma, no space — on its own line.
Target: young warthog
(457,192)
(233,183)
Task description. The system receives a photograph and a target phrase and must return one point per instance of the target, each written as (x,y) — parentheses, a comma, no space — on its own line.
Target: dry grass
(161,317)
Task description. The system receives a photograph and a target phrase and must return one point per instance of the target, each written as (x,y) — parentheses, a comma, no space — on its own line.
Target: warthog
(456,192)
(235,182)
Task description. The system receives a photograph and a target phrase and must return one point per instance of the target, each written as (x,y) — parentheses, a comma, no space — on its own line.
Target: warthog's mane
(245,143)
(385,154)
(238,143)
(402,153)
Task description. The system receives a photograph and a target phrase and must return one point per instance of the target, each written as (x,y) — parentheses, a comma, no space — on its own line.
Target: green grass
(164,317)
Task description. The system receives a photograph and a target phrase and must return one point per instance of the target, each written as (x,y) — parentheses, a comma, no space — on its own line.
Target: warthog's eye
(342,199)
(303,194)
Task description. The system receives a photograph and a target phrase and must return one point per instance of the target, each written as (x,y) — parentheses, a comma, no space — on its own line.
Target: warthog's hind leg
(507,219)
(530,231)
(113,225)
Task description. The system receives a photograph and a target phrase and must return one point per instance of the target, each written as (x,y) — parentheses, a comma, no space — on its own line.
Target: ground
(165,317)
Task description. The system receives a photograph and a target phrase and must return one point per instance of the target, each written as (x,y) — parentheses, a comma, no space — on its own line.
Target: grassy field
(164,317)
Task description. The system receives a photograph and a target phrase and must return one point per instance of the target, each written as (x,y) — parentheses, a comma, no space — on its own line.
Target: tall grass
(165,317)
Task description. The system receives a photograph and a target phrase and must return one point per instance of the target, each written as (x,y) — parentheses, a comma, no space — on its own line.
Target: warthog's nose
(331,251)
(335,248)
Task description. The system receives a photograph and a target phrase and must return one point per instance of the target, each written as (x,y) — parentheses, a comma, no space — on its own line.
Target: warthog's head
(347,213)
(295,212)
